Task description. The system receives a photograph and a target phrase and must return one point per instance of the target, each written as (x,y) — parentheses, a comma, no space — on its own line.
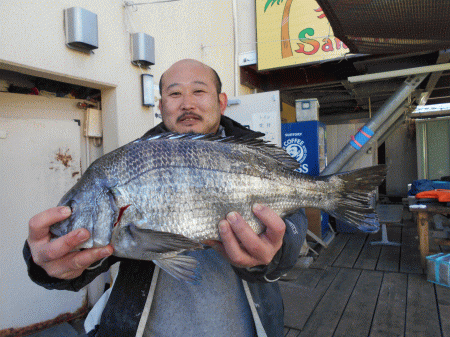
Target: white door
(259,112)
(39,162)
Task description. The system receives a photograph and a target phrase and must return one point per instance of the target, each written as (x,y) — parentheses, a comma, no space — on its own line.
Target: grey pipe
(379,137)
(383,113)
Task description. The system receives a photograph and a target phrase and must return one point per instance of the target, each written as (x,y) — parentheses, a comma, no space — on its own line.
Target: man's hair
(216,79)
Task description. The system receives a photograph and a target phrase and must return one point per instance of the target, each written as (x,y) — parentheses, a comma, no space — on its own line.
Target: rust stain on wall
(64,157)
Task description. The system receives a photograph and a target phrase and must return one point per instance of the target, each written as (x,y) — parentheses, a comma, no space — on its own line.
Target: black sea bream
(156,197)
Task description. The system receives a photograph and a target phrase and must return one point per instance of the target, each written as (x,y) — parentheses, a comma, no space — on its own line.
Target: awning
(390,26)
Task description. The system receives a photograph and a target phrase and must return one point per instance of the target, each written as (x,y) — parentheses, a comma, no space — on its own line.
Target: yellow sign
(294,32)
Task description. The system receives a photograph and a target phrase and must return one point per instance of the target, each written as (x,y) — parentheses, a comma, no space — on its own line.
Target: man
(222,305)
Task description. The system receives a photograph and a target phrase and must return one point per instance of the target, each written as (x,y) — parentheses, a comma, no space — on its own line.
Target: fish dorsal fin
(253,140)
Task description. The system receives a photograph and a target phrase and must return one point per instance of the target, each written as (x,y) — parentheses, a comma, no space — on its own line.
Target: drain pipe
(368,130)
(236,49)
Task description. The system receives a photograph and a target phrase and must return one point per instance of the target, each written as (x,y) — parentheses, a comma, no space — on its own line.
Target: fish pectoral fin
(182,267)
(162,242)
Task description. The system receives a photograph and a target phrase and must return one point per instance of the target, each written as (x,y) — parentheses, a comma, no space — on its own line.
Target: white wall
(32,41)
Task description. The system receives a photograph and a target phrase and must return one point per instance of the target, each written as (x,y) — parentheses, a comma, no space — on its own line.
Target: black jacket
(122,312)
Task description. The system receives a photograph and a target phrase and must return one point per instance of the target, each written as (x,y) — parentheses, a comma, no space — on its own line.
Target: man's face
(189,99)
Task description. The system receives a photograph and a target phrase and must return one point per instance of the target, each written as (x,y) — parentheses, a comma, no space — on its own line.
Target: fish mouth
(71,204)
(65,226)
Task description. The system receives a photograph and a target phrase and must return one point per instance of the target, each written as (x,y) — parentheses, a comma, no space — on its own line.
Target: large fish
(157,197)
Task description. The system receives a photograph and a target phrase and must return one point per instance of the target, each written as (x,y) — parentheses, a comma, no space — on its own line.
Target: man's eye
(174,93)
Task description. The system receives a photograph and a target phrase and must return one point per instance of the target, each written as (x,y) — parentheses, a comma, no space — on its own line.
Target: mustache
(188,114)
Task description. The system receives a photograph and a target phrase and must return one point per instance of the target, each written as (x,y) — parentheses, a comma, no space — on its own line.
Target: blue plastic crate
(438,269)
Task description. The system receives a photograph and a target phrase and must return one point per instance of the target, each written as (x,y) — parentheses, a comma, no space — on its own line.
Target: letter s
(305,168)
(303,39)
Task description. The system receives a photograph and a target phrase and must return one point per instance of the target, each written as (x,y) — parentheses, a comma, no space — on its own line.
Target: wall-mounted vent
(81,29)
(143,49)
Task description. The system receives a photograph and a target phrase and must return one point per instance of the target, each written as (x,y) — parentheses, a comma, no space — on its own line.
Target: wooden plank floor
(354,288)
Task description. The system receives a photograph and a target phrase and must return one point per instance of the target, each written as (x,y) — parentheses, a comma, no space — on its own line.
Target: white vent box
(81,28)
(143,49)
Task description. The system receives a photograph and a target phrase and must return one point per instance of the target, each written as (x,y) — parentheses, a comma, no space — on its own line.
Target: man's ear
(223,102)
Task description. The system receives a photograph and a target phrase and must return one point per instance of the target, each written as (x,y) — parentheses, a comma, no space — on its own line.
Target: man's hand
(242,246)
(56,257)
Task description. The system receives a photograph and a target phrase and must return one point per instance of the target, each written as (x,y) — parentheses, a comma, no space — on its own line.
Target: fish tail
(354,201)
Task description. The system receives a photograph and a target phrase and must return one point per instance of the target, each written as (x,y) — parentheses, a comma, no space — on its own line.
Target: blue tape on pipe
(361,138)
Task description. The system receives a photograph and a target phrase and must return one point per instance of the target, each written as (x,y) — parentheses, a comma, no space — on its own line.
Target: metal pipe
(379,137)
(236,49)
(425,151)
(383,113)
(390,123)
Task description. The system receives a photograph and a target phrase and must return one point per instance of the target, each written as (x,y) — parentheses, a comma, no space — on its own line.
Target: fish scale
(198,208)
(157,197)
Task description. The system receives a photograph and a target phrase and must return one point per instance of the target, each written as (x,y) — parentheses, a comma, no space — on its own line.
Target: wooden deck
(354,288)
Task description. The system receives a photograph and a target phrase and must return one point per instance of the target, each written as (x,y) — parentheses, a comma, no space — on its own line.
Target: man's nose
(188,102)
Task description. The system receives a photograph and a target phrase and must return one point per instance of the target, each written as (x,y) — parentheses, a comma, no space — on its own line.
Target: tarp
(427,185)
